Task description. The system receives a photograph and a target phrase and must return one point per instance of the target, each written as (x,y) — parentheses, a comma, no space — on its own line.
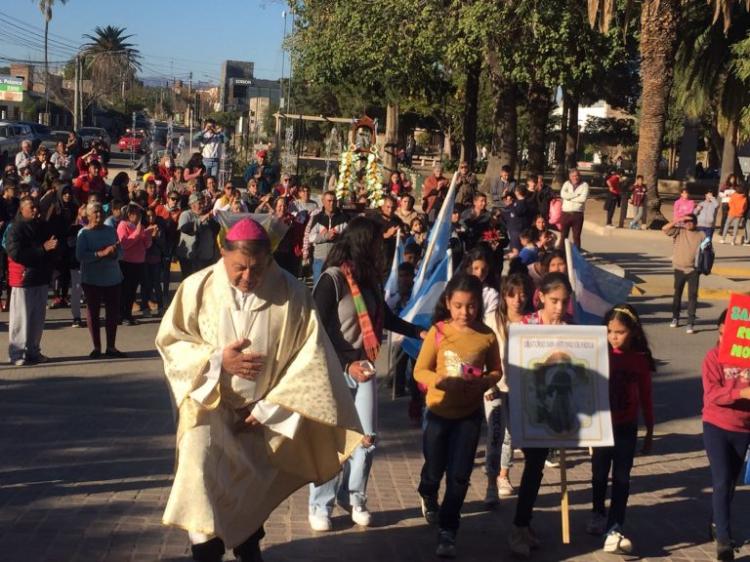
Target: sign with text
(559,386)
(11,88)
(735,345)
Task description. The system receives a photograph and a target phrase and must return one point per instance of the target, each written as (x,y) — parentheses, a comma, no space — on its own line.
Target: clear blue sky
(174,36)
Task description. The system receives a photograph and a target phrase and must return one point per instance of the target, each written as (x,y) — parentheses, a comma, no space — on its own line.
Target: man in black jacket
(31,252)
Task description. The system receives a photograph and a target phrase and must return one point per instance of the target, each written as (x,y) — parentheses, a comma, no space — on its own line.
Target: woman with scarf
(349,298)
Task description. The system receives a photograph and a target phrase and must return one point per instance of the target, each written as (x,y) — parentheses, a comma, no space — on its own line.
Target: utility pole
(76,98)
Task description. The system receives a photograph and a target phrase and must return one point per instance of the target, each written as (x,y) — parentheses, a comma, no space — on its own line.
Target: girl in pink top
(683,206)
(134,240)
(726,436)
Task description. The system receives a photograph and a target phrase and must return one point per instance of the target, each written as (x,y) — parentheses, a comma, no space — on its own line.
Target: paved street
(88,450)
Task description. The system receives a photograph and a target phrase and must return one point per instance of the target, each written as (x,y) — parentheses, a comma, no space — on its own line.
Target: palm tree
(45,6)
(708,77)
(658,45)
(111,58)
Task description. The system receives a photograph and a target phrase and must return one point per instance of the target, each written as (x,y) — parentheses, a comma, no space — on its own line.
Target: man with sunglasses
(687,241)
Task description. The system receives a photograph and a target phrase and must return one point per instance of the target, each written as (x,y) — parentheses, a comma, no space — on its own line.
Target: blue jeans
(212,167)
(449,446)
(726,453)
(317,269)
(350,485)
(499,448)
(707,230)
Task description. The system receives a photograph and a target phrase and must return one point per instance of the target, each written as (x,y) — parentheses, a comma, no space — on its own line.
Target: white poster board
(559,386)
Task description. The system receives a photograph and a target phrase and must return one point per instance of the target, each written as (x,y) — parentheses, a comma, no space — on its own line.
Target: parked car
(55,137)
(39,133)
(11,136)
(90,134)
(133,141)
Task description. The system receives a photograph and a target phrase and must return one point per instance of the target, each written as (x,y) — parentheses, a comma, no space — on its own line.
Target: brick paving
(88,454)
(88,451)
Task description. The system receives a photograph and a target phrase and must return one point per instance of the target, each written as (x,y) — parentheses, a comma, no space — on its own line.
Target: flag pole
(431,245)
(571,274)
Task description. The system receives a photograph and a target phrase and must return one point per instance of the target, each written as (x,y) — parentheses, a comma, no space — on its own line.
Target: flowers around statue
(373,178)
(345,182)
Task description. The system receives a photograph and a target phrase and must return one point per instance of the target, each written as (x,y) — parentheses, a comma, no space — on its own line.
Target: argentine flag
(434,272)
(391,284)
(421,306)
(595,289)
(438,241)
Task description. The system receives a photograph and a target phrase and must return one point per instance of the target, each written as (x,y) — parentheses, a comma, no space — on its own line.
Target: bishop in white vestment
(262,408)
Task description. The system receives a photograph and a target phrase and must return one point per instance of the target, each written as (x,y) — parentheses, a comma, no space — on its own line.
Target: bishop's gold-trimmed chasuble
(226,482)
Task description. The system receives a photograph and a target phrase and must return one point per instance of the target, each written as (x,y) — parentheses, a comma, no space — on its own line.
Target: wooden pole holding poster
(564,506)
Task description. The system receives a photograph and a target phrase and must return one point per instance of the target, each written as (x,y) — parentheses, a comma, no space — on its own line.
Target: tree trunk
(715,147)
(729,153)
(559,178)
(505,137)
(688,150)
(571,140)
(471,100)
(659,19)
(538,105)
(391,140)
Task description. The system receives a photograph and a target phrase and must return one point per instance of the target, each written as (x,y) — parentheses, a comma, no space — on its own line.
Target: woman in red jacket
(726,434)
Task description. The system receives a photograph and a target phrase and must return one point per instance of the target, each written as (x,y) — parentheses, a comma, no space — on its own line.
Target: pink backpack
(555,212)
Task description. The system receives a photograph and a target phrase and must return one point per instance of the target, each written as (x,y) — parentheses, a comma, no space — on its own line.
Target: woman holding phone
(349,298)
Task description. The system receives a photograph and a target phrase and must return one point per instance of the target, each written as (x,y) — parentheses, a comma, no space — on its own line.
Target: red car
(132,141)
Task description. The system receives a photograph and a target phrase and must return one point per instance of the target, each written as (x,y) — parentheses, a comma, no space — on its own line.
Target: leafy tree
(389,57)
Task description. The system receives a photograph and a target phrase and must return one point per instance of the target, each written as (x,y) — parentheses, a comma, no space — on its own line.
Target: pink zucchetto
(246,230)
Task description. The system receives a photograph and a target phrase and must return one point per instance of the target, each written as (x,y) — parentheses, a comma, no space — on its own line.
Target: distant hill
(157,82)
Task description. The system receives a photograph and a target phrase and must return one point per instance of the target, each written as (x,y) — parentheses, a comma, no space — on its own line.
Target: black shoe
(446,547)
(131,322)
(430,509)
(96,354)
(724,551)
(115,354)
(249,551)
(211,551)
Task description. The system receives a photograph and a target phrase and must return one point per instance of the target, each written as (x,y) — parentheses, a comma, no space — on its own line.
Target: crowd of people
(113,244)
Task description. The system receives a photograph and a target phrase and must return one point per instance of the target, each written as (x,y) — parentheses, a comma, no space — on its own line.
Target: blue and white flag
(421,306)
(595,289)
(438,241)
(391,284)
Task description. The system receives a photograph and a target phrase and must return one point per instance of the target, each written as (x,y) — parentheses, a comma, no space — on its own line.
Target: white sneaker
(320,523)
(617,543)
(722,241)
(492,495)
(19,362)
(690,329)
(597,525)
(673,323)
(505,488)
(361,516)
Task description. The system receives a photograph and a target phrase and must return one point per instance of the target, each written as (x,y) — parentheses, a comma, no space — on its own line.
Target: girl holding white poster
(630,368)
(458,363)
(554,295)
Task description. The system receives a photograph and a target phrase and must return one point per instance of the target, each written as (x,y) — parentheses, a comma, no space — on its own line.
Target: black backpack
(704,260)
